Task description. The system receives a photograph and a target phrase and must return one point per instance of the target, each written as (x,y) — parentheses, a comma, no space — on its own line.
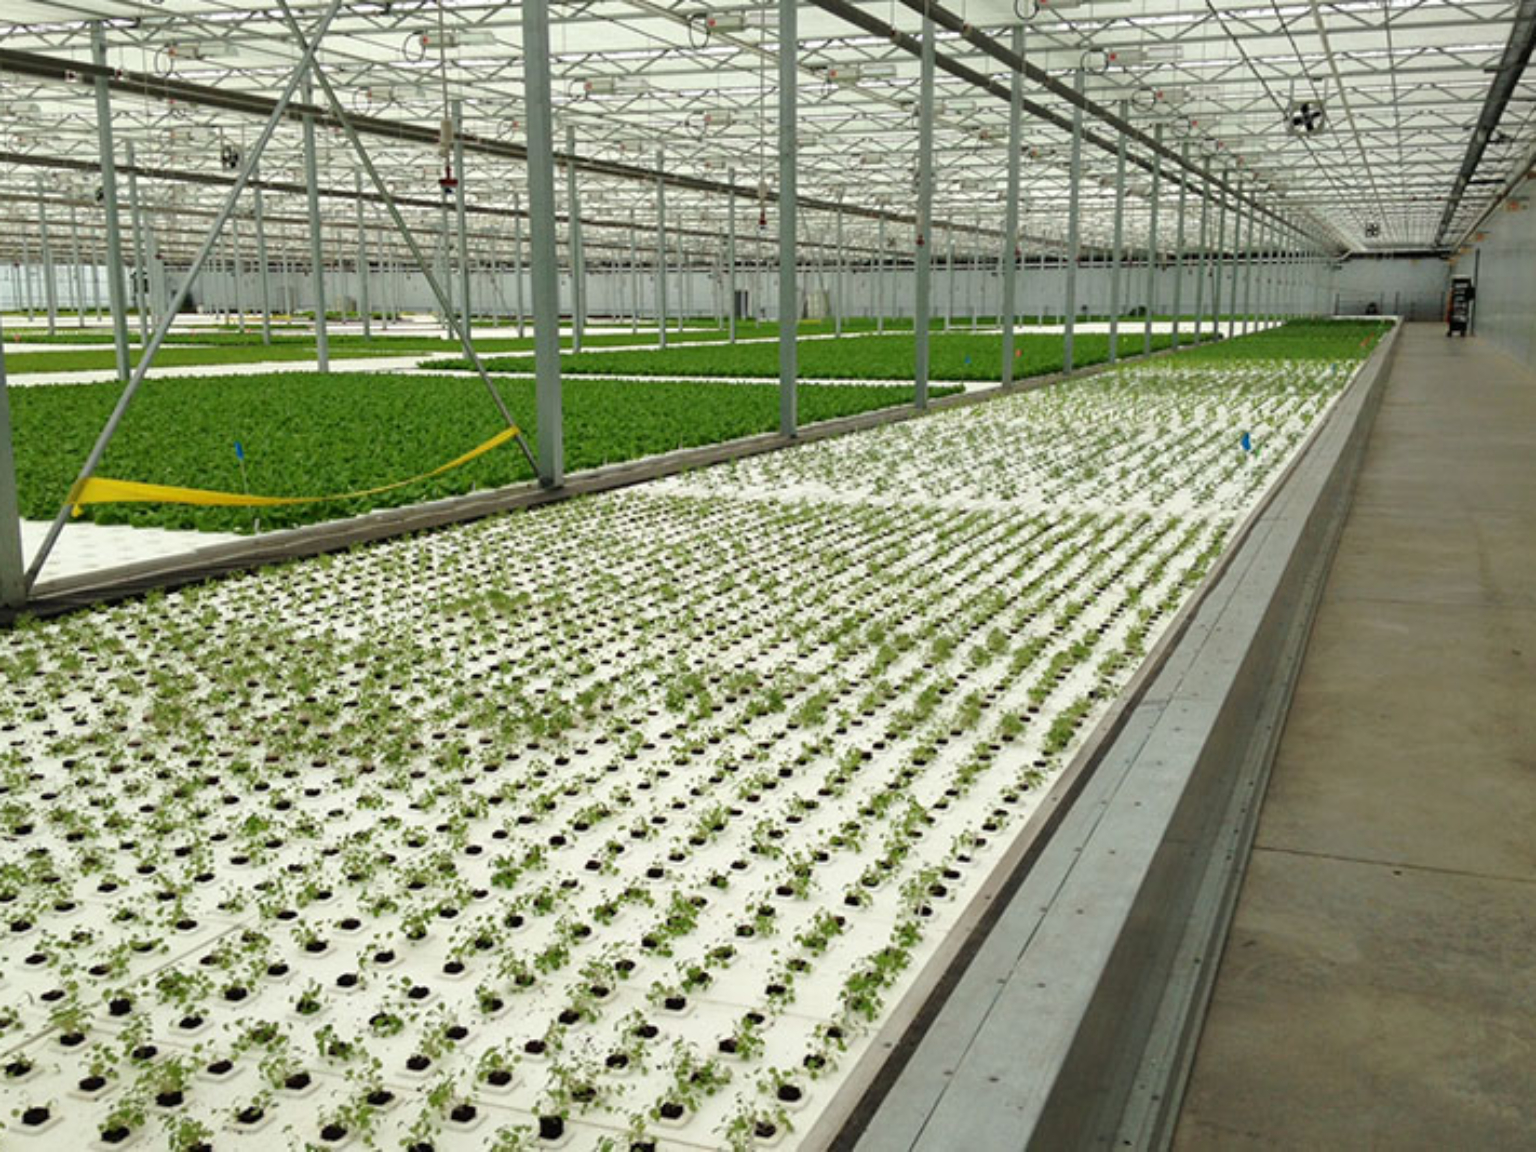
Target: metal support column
(1205,216)
(730,262)
(634,275)
(114,252)
(365,305)
(1074,224)
(50,289)
(466,303)
(1178,250)
(517,266)
(316,252)
(1237,259)
(26,264)
(541,218)
(13,581)
(1218,265)
(263,279)
(578,254)
(1116,258)
(661,249)
(1248,259)
(1152,239)
(880,277)
(789,310)
(77,280)
(923,270)
(949,277)
(1011,205)
(842,259)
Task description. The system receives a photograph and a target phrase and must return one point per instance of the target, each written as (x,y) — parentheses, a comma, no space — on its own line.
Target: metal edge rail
(902,1098)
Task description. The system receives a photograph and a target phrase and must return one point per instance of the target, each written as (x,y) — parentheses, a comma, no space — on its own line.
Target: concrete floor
(1378,988)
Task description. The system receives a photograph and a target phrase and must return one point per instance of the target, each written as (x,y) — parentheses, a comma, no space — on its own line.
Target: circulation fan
(1307,118)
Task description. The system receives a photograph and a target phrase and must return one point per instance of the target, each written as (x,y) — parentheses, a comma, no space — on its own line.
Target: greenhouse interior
(641,576)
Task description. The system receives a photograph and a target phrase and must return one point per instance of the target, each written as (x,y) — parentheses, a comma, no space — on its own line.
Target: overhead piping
(1517,54)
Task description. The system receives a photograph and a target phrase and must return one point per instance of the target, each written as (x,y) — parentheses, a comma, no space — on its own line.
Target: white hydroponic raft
(621,823)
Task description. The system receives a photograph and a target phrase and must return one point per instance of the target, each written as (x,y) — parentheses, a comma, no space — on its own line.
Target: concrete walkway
(1378,988)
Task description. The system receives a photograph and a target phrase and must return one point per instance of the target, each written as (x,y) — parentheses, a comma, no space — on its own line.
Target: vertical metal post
(789,311)
(730,261)
(1248,258)
(13,582)
(1116,259)
(1152,239)
(1074,225)
(97,259)
(365,305)
(114,253)
(1205,215)
(77,279)
(461,218)
(923,270)
(316,252)
(661,248)
(1237,258)
(239,272)
(880,277)
(634,275)
(1040,300)
(685,302)
(1011,205)
(842,257)
(26,264)
(50,289)
(264,279)
(541,217)
(1218,265)
(578,256)
(1178,251)
(517,265)
(949,276)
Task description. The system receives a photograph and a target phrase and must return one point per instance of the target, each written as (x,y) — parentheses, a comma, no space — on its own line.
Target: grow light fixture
(853,73)
(612,85)
(456,38)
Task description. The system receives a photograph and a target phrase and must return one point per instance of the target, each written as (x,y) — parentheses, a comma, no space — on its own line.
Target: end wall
(1505,264)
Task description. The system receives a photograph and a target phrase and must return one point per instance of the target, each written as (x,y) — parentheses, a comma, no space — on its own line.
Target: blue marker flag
(1247,443)
(239,451)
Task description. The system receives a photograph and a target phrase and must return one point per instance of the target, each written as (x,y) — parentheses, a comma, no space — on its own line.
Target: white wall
(699,293)
(1413,287)
(1505,267)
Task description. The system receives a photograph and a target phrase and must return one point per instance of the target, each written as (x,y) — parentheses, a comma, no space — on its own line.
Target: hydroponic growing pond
(623,823)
